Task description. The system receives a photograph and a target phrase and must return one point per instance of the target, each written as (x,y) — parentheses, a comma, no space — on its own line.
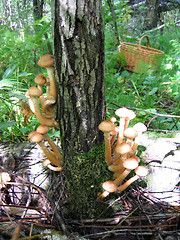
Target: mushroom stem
(47,163)
(48,105)
(122,176)
(109,187)
(140,171)
(103,195)
(107,127)
(53,146)
(107,141)
(127,183)
(125,116)
(52,87)
(38,138)
(113,136)
(42,120)
(50,155)
(44,131)
(47,61)
(134,147)
(129,164)
(140,128)
(121,131)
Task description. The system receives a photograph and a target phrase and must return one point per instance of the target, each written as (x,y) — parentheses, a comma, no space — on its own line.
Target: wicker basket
(138,58)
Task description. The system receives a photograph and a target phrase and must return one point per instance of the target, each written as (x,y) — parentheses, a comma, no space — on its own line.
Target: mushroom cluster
(43,106)
(121,142)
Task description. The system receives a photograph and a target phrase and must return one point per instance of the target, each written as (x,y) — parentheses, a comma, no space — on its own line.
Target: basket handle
(145,36)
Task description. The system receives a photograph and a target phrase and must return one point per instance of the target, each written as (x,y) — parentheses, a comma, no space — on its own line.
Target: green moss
(85,174)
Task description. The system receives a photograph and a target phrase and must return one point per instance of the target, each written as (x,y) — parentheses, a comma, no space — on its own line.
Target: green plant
(156,91)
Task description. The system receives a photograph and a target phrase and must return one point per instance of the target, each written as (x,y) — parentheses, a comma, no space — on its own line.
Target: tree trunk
(38,9)
(152,15)
(79,56)
(111,6)
(38,6)
(79,60)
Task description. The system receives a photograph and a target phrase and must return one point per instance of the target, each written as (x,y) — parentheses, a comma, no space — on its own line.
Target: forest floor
(139,213)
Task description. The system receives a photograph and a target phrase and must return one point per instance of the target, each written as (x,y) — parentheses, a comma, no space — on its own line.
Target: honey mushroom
(109,187)
(123,150)
(113,120)
(128,164)
(44,131)
(113,134)
(107,127)
(125,116)
(48,106)
(34,93)
(139,128)
(131,115)
(120,152)
(37,137)
(47,61)
(47,163)
(130,133)
(30,102)
(140,171)
(40,80)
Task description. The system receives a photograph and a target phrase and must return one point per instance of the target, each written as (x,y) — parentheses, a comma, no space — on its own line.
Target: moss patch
(85,174)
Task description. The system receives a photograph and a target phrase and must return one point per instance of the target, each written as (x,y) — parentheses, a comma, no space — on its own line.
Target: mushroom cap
(123,148)
(140,127)
(35,137)
(112,119)
(109,186)
(31,134)
(42,129)
(49,100)
(27,94)
(130,163)
(46,61)
(125,113)
(34,92)
(106,126)
(46,162)
(141,171)
(136,157)
(40,79)
(130,133)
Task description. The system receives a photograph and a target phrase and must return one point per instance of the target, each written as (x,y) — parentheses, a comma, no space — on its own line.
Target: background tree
(38,6)
(152,14)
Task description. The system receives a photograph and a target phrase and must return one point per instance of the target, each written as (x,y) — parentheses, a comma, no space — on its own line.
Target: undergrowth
(154,91)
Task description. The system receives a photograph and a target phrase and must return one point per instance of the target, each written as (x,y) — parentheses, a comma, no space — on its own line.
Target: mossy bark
(79,61)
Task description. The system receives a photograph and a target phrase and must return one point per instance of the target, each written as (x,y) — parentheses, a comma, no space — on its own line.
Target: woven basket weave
(138,58)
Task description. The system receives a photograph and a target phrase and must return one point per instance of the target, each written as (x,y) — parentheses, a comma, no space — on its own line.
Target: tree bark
(38,6)
(152,14)
(111,6)
(79,57)
(79,62)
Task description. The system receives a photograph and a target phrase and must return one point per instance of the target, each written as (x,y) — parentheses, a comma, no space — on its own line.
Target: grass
(155,91)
